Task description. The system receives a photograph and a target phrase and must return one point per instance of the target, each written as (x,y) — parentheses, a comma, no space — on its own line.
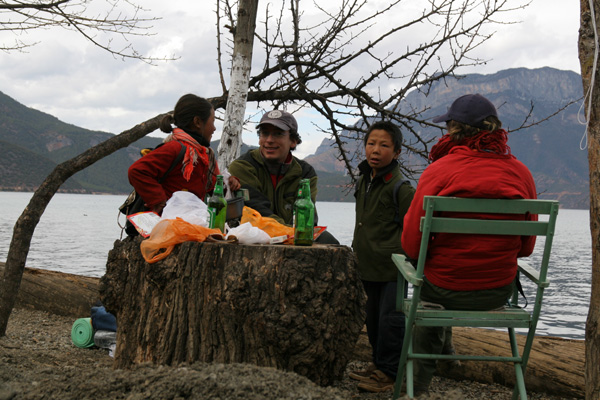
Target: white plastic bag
(187,206)
(248,234)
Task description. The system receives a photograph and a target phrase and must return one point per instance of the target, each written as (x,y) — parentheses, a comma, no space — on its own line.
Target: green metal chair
(511,317)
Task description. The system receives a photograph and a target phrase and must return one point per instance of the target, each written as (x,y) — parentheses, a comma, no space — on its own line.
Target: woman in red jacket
(467,271)
(194,120)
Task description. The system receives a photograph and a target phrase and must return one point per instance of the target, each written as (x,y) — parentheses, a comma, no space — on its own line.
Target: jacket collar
(386,174)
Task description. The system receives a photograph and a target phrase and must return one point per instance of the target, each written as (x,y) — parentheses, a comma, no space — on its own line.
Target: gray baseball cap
(281,119)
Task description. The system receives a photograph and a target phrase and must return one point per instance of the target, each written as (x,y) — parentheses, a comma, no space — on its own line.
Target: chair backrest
(433,222)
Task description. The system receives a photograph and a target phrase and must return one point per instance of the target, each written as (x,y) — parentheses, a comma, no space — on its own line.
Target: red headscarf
(493,142)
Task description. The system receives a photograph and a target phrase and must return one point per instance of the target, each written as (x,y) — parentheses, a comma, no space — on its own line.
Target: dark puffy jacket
(378,227)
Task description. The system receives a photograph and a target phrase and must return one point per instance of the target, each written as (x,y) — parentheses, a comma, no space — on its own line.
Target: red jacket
(145,173)
(470,262)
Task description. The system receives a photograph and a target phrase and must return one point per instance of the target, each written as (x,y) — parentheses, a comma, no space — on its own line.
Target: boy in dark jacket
(382,198)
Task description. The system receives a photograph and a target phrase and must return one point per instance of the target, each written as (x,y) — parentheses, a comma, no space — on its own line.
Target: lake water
(76,232)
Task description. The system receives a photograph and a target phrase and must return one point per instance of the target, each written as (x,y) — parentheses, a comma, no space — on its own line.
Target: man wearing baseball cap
(272,174)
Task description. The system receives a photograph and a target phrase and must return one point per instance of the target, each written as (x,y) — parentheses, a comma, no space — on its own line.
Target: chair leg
(519,389)
(403,368)
(520,384)
(410,373)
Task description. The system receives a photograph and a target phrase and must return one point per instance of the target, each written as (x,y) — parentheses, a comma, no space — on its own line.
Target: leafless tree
(354,63)
(119,20)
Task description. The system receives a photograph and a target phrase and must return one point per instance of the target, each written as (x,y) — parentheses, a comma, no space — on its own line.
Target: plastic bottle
(217,206)
(105,339)
(304,216)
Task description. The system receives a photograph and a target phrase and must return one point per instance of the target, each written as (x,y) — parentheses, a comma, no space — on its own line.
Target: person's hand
(159,208)
(234,183)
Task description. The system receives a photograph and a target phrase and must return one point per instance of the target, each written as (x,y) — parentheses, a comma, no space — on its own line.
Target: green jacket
(378,227)
(275,202)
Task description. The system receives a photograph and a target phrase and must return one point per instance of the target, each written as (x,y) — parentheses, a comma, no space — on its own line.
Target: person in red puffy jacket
(191,125)
(467,271)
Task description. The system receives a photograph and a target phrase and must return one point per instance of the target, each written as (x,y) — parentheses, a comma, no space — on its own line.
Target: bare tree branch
(120,19)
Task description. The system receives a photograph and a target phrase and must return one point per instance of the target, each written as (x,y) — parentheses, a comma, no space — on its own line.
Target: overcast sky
(65,76)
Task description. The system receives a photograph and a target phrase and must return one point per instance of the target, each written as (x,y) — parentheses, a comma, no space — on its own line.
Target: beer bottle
(304,215)
(217,206)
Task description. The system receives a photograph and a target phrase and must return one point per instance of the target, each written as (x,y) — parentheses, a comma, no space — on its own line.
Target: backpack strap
(175,162)
(397,186)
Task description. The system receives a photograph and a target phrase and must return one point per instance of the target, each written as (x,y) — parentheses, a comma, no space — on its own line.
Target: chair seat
(513,317)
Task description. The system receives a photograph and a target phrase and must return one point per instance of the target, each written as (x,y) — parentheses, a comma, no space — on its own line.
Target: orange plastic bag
(269,225)
(169,232)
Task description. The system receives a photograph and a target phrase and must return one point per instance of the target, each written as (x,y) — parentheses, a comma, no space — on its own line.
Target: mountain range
(552,149)
(33,142)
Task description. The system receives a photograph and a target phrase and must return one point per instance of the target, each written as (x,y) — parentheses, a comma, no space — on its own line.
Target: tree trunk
(293,308)
(25,225)
(588,48)
(56,292)
(231,138)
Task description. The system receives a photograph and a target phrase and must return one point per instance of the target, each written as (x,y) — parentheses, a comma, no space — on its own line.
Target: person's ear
(198,123)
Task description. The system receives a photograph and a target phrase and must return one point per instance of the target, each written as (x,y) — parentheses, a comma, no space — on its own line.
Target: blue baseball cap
(470,109)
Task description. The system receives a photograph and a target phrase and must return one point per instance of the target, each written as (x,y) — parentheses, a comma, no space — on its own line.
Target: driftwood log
(56,292)
(556,365)
(298,309)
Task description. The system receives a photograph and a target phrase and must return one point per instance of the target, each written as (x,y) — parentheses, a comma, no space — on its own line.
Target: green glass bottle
(304,216)
(217,206)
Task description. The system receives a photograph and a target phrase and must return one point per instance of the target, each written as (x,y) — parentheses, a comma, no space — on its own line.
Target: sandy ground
(38,361)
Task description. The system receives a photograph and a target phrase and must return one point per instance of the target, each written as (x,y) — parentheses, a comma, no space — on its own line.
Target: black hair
(188,106)
(295,136)
(391,128)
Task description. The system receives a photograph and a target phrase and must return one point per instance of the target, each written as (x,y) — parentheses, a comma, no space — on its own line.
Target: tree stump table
(298,309)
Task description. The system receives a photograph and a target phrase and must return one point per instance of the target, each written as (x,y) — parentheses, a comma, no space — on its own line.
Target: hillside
(23,170)
(55,141)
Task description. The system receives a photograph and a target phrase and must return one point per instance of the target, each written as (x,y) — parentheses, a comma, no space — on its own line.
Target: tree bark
(231,138)
(298,309)
(588,47)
